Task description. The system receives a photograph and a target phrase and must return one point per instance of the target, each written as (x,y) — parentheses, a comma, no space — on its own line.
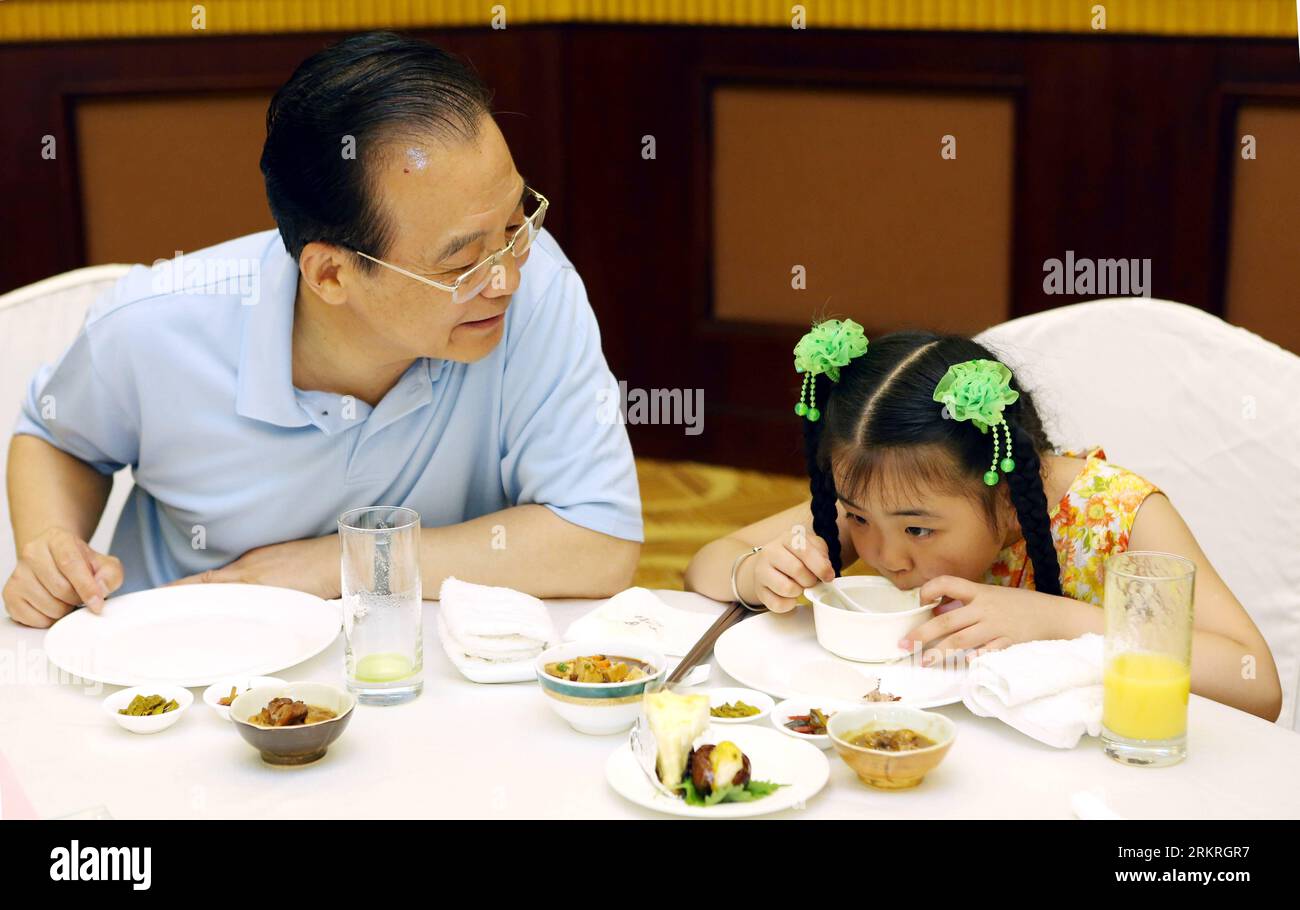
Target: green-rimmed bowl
(600,709)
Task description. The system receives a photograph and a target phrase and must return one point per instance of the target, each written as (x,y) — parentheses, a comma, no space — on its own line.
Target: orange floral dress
(1092,521)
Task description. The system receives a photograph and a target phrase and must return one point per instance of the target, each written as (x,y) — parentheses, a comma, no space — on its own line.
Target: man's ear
(326,269)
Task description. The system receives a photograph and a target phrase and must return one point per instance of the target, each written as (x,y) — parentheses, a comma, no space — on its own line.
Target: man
(409,336)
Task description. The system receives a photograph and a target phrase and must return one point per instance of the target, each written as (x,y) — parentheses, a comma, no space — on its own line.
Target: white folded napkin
(638,615)
(1050,690)
(498,625)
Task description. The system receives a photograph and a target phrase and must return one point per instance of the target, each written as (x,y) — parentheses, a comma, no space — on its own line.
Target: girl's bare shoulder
(1062,471)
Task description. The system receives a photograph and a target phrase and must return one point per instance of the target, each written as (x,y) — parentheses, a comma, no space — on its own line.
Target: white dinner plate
(802,767)
(193,635)
(778,653)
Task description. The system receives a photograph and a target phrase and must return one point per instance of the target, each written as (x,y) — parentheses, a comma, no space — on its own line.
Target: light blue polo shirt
(183,371)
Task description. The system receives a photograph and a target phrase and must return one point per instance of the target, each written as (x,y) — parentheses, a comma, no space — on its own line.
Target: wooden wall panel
(851,187)
(1263,269)
(1123,146)
(167,173)
(43,86)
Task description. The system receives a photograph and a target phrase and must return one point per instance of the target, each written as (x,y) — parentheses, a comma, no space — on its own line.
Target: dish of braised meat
(286,712)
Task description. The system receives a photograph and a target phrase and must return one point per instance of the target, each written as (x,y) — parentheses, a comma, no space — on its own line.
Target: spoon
(845,601)
(832,597)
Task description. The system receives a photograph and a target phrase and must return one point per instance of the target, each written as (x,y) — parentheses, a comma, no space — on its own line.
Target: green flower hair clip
(978,391)
(830,345)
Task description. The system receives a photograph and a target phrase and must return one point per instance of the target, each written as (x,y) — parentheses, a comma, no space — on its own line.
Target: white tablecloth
(497,751)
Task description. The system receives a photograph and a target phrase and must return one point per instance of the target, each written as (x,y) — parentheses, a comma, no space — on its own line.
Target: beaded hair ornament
(830,345)
(977,390)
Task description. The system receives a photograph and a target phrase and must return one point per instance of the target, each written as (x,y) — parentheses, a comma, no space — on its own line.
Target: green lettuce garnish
(755,789)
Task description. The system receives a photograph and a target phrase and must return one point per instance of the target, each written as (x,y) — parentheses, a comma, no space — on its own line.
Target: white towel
(1050,690)
(499,625)
(637,615)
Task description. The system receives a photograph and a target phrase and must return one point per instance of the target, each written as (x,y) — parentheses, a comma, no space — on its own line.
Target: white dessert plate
(778,653)
(801,767)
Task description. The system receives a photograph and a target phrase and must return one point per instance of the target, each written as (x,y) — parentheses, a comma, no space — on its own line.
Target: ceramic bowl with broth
(600,708)
(862,617)
(300,744)
(890,769)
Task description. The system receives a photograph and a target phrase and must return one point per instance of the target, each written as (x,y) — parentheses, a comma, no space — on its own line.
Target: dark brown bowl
(297,745)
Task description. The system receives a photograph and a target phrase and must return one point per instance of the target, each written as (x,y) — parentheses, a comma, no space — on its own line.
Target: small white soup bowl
(862,617)
(213,694)
(148,723)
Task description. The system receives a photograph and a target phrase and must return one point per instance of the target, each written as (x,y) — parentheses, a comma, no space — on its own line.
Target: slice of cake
(676,722)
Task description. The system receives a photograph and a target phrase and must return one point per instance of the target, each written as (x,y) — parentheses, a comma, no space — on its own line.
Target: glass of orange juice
(1148,665)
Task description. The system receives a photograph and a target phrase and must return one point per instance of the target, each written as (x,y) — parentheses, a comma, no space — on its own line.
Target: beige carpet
(687,504)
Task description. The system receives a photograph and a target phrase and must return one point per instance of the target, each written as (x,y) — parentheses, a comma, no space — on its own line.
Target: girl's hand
(984,618)
(776,575)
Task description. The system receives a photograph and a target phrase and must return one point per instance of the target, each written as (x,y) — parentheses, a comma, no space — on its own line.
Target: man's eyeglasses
(471,283)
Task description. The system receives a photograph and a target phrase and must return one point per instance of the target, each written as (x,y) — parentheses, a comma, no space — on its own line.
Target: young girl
(930,465)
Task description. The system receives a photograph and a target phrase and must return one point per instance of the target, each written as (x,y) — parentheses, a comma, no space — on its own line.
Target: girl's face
(925,534)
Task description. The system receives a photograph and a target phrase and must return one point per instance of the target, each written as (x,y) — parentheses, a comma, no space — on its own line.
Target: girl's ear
(1008,520)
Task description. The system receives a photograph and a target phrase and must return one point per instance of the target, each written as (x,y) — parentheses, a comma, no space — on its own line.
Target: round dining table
(470,750)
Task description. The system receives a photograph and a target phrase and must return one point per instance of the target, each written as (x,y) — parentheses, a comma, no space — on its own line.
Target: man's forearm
(528,548)
(531,549)
(49,488)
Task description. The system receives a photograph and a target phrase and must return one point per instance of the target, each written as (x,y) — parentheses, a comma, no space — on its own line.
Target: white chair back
(37,323)
(1208,412)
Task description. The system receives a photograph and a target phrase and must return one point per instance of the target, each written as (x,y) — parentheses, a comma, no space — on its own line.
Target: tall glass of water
(382,605)
(1148,665)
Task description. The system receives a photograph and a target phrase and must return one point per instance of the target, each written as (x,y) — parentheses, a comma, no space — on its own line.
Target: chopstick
(730,617)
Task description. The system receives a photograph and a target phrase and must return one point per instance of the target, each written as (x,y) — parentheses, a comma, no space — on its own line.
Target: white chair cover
(37,323)
(1207,411)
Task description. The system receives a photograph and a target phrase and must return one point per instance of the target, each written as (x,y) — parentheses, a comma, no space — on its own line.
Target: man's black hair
(372,87)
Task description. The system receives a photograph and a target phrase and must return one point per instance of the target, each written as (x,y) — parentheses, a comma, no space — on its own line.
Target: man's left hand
(310,565)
